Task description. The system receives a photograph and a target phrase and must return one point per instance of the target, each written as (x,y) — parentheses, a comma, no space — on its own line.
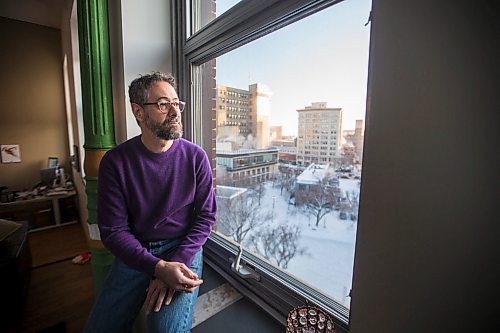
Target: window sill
(277,292)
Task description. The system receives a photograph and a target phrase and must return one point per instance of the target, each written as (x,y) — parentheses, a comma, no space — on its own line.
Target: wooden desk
(39,202)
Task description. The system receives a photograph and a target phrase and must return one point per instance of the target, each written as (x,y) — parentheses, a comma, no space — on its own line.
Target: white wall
(427,258)
(74,107)
(146,38)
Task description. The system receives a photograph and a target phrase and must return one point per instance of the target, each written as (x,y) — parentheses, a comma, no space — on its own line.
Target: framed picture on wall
(52,162)
(10,153)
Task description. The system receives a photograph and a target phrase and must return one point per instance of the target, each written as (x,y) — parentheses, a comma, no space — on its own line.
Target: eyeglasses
(165,106)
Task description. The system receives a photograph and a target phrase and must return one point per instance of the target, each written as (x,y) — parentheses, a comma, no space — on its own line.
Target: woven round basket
(309,319)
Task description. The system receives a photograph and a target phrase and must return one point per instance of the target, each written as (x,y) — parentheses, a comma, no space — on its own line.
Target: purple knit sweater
(144,196)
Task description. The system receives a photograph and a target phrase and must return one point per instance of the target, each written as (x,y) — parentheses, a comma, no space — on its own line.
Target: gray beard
(163,130)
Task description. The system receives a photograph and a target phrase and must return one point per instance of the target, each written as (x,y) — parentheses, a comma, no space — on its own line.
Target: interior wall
(33,112)
(70,49)
(427,242)
(46,13)
(146,33)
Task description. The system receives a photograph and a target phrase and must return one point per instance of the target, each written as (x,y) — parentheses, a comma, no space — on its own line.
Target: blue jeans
(124,292)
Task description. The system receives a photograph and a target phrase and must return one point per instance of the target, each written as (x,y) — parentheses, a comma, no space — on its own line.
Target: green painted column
(95,68)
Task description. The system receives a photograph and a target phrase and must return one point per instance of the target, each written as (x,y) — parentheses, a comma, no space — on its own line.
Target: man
(156,207)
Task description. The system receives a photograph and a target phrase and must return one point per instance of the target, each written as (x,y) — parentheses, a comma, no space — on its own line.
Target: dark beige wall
(427,254)
(32,109)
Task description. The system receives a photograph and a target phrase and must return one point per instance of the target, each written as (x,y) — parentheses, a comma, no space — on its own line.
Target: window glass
(290,111)
(221,6)
(204,11)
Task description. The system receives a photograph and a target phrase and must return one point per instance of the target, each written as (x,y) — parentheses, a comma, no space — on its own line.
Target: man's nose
(173,112)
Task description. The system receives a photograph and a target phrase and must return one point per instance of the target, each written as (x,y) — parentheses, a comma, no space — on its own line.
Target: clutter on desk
(60,184)
(6,195)
(57,191)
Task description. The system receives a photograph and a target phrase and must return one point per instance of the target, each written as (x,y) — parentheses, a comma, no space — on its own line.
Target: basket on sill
(309,319)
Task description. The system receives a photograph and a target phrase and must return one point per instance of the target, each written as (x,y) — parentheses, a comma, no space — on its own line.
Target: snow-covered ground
(328,264)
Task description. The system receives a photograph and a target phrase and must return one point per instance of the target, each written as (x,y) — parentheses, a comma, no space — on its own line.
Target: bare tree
(319,200)
(240,216)
(285,182)
(279,243)
(351,204)
(258,191)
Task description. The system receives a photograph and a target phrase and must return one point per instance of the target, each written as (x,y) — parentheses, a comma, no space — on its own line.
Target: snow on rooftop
(229,192)
(246,151)
(313,174)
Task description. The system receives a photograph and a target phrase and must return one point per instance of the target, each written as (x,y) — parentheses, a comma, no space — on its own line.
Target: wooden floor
(56,244)
(61,293)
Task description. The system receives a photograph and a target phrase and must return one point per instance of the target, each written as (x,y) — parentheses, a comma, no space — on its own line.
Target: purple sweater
(144,196)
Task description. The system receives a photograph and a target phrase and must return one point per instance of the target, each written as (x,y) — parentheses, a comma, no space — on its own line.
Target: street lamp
(274,202)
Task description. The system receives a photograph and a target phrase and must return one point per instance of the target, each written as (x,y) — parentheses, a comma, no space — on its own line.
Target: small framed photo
(10,153)
(52,162)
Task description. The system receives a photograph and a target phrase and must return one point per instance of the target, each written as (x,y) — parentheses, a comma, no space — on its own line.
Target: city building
(313,175)
(276,133)
(348,154)
(243,115)
(226,195)
(246,166)
(319,133)
(287,150)
(310,181)
(358,140)
(352,148)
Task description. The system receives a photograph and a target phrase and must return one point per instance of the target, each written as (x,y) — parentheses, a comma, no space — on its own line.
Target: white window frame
(277,292)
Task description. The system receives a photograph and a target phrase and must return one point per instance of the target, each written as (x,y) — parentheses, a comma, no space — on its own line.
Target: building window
(273,100)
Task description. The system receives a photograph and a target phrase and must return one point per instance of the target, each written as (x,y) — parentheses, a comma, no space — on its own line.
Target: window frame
(277,292)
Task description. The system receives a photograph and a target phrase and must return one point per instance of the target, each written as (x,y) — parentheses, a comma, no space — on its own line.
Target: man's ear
(138,111)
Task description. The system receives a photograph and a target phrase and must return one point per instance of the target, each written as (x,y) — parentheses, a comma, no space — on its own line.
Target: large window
(278,101)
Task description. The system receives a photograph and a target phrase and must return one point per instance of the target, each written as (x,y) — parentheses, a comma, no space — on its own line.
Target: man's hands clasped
(170,277)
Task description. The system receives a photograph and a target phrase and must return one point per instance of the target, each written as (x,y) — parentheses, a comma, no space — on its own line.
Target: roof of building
(313,174)
(244,152)
(229,192)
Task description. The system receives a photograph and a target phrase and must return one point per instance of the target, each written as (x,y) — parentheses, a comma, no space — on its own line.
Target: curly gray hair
(138,91)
